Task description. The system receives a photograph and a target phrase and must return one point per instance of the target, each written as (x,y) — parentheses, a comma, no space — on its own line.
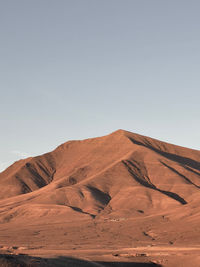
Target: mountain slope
(118,174)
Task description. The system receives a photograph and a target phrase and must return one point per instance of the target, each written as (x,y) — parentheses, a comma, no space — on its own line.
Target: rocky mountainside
(121,174)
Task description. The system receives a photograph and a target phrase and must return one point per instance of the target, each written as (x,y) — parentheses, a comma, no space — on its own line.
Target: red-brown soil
(118,198)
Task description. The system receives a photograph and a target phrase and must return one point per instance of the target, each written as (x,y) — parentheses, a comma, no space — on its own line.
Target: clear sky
(73,69)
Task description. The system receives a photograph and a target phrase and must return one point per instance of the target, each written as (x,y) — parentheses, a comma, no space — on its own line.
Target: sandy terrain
(118,200)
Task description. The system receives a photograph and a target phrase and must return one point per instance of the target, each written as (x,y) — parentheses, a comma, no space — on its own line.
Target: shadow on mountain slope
(179,159)
(146,182)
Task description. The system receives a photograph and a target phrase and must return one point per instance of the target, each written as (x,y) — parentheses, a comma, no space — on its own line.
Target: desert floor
(108,242)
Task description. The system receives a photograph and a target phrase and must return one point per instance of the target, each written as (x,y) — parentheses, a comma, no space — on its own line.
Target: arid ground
(117,200)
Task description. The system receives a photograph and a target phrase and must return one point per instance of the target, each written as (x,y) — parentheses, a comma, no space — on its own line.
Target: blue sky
(84,68)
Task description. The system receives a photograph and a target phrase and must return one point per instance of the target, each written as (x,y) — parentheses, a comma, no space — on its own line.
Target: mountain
(121,172)
(116,190)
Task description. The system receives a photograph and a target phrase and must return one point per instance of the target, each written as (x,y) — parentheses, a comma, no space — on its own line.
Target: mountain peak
(120,131)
